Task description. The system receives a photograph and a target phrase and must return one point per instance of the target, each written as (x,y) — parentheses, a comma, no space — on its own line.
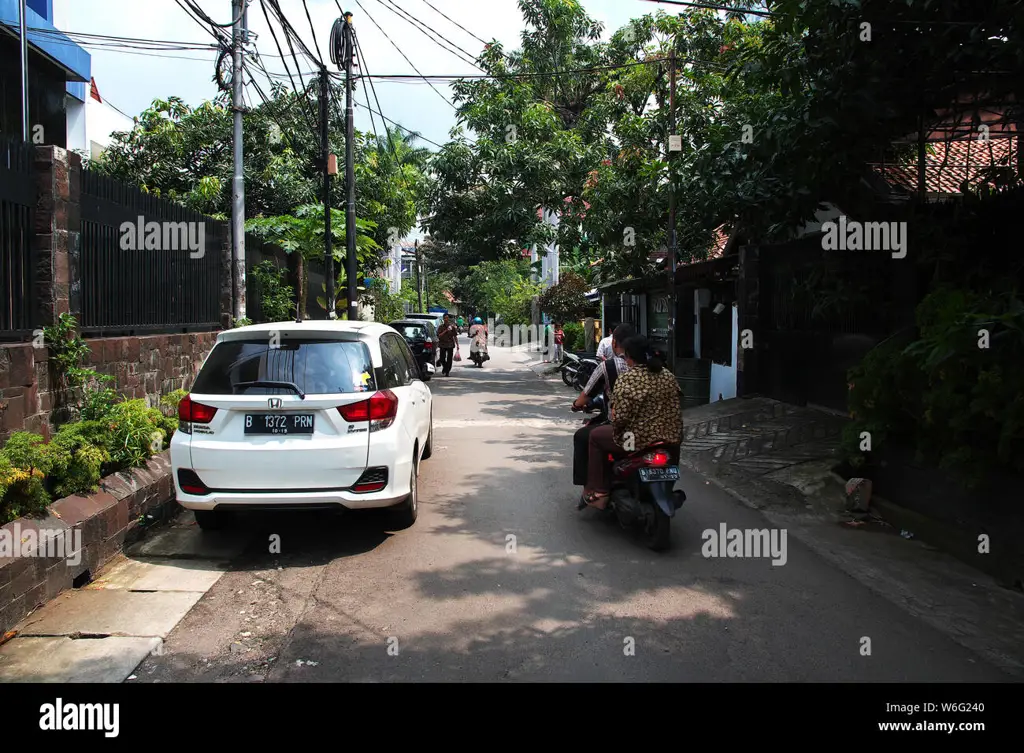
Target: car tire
(428,449)
(210,520)
(408,511)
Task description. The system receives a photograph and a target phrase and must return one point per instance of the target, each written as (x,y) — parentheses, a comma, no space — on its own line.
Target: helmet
(477,320)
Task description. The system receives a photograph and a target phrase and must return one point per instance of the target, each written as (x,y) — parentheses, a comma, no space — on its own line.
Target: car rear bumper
(284,500)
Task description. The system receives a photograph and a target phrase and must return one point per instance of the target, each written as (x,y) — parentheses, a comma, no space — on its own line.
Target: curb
(126,506)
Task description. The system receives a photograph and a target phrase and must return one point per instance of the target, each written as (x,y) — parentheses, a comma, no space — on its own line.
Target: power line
(401,53)
(202,14)
(709,6)
(216,33)
(305,115)
(458,24)
(395,123)
(417,24)
(313,31)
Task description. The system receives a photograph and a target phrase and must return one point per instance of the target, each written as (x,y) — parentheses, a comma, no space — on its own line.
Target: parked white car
(312,414)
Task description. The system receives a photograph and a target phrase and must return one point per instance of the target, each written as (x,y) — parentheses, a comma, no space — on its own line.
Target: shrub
(23,466)
(277,299)
(575,337)
(77,458)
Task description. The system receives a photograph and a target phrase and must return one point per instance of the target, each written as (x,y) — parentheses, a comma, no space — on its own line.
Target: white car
(309,414)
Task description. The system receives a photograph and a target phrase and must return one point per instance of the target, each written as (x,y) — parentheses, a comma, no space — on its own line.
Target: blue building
(59,72)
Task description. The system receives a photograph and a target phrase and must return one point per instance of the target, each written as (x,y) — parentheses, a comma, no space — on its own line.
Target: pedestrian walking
(448,340)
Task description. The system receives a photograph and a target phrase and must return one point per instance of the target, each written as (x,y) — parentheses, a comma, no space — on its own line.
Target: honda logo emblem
(274,403)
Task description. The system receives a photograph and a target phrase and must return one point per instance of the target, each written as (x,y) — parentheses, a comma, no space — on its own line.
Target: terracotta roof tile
(949,163)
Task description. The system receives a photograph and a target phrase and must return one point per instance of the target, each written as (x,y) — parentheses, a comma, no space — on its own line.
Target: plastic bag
(458,355)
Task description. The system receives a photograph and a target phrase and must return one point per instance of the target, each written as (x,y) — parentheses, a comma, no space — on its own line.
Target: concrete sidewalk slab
(190,543)
(196,576)
(111,612)
(65,660)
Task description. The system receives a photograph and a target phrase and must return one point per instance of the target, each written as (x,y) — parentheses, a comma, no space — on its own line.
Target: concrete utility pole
(325,150)
(350,172)
(240,35)
(22,13)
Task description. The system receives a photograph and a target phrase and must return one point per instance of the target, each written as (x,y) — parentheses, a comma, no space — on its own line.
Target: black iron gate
(820,312)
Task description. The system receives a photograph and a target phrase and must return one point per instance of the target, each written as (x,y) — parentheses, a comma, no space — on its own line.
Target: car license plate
(650,475)
(279,423)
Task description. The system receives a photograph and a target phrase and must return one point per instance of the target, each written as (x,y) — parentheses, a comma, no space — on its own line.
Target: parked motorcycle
(642,490)
(577,368)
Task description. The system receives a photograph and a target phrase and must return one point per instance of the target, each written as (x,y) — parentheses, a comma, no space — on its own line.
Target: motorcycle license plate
(651,475)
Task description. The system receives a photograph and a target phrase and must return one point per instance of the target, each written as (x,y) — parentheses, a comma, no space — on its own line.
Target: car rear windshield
(411,331)
(317,367)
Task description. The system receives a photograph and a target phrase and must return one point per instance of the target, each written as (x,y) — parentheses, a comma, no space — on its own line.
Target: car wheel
(428,450)
(210,520)
(407,512)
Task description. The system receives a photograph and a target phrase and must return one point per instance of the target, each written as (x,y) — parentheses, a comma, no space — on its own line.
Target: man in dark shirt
(448,339)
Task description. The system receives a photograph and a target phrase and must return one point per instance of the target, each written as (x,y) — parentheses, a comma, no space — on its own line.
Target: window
(412,331)
(317,367)
(395,369)
(410,360)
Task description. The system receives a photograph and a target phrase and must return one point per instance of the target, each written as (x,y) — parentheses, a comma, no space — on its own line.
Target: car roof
(308,328)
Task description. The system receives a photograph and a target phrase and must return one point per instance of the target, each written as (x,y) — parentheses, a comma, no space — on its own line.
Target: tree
(567,300)
(303,234)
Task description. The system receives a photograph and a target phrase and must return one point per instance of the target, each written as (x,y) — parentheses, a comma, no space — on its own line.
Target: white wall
(723,378)
(76,123)
(102,120)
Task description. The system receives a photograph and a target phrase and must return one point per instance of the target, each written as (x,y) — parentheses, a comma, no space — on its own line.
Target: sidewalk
(778,459)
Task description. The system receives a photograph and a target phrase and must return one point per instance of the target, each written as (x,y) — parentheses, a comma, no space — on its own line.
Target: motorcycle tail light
(657,458)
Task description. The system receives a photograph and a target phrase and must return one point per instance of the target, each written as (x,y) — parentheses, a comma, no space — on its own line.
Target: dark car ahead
(422,338)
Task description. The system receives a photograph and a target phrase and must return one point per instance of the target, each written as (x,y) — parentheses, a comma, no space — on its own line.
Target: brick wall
(144,367)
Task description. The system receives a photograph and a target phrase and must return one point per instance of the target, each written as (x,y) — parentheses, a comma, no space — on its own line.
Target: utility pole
(24,70)
(240,35)
(325,151)
(350,172)
(672,147)
(419,273)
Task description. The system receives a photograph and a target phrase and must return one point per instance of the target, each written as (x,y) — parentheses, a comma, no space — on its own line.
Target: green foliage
(567,300)
(112,435)
(502,287)
(575,336)
(243,321)
(276,297)
(23,466)
(386,307)
(955,393)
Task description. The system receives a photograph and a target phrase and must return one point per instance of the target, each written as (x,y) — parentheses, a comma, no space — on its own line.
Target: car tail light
(372,480)
(195,413)
(428,345)
(657,458)
(381,409)
(190,482)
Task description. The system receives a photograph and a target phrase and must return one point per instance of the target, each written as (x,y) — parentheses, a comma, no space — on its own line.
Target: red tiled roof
(949,163)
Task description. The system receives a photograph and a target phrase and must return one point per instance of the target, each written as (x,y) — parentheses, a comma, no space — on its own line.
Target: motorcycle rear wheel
(658,530)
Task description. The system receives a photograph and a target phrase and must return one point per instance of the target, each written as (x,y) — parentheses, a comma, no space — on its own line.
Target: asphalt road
(502,579)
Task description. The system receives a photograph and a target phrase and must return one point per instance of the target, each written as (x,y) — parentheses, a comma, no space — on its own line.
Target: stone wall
(144,367)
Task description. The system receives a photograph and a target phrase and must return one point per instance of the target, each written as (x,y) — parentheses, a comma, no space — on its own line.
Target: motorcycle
(577,369)
(478,357)
(642,489)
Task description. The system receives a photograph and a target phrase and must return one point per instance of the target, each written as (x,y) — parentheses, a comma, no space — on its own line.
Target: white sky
(130,79)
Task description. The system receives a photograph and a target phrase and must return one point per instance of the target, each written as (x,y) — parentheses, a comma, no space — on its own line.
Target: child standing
(559,341)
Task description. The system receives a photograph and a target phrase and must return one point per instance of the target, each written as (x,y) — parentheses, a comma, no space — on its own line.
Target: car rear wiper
(283,385)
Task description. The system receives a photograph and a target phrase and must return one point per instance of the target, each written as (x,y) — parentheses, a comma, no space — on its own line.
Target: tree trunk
(301,292)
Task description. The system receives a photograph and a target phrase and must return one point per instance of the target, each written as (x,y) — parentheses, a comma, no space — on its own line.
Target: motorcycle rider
(603,379)
(478,346)
(646,409)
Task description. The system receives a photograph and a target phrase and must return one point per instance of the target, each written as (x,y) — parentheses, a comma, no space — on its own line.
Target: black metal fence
(145,265)
(17,268)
